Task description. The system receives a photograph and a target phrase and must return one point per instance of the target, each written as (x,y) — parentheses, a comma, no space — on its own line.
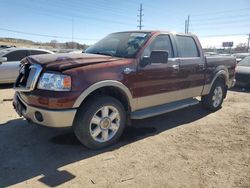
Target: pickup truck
(126,75)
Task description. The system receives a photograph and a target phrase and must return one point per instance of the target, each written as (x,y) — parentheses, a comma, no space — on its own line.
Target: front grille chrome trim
(35,71)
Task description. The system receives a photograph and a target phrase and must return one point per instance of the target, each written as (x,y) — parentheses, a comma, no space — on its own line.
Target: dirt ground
(187,148)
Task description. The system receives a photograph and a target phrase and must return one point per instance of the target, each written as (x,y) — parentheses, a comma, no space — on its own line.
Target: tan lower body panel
(155,100)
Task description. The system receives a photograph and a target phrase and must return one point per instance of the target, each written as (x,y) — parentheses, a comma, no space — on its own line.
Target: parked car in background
(126,75)
(243,73)
(240,56)
(10,62)
(67,51)
(6,46)
(76,52)
(225,54)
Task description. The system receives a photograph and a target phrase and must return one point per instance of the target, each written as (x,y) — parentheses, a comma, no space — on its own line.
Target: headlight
(54,82)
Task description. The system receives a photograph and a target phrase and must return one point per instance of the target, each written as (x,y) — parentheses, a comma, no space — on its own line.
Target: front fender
(106,83)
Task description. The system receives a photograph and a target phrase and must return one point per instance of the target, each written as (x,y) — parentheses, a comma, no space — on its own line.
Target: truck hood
(64,61)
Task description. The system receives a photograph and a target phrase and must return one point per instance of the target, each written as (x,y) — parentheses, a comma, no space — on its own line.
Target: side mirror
(3,59)
(155,57)
(145,61)
(159,56)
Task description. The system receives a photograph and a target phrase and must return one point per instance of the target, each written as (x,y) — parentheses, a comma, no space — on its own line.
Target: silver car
(10,62)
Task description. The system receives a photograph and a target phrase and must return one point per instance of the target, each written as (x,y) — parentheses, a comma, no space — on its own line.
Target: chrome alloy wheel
(105,123)
(217,97)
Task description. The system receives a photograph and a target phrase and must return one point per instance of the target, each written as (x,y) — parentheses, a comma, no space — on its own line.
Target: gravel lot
(186,148)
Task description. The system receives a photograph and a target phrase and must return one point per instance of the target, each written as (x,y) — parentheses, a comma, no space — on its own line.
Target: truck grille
(28,77)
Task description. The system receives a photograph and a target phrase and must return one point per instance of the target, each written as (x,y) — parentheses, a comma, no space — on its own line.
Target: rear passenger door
(192,64)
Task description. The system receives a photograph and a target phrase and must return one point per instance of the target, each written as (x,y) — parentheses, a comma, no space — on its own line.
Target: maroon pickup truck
(126,75)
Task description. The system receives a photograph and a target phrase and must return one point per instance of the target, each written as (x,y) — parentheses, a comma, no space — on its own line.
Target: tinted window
(16,55)
(161,42)
(187,46)
(37,52)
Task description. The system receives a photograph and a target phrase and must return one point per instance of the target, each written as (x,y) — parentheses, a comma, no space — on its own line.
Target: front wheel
(100,122)
(214,99)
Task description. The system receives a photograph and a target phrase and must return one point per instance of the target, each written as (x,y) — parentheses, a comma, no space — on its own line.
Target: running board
(162,109)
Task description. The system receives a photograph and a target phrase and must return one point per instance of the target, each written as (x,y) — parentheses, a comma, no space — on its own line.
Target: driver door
(158,83)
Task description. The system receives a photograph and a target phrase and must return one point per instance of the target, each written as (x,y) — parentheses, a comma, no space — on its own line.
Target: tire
(99,122)
(214,99)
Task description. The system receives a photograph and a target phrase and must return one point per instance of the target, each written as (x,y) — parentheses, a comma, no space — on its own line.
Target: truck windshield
(125,44)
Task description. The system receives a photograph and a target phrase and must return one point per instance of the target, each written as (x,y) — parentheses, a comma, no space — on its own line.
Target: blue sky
(93,19)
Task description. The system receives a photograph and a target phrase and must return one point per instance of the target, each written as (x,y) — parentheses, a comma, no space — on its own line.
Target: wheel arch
(220,74)
(109,87)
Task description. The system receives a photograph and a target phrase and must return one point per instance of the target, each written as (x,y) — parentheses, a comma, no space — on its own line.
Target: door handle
(128,70)
(176,68)
(201,66)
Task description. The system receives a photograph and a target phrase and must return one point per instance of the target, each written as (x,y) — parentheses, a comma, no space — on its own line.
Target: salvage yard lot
(186,148)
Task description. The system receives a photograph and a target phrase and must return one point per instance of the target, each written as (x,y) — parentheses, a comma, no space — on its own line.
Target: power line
(224,35)
(43,35)
(140,17)
(219,26)
(222,18)
(221,12)
(78,7)
(218,22)
(102,6)
(76,14)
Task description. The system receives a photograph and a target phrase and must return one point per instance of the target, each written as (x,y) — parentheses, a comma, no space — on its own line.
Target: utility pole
(188,20)
(72,33)
(140,17)
(248,43)
(185,26)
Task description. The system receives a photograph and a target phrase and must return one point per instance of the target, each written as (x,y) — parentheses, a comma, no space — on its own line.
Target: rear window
(186,46)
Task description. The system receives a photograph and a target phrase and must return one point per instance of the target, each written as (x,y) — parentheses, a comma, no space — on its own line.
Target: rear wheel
(100,122)
(214,99)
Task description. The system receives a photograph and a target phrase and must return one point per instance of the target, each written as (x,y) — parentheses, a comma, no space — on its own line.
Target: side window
(186,46)
(161,42)
(16,55)
(37,52)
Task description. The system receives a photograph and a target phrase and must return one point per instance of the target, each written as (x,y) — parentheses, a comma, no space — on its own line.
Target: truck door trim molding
(106,83)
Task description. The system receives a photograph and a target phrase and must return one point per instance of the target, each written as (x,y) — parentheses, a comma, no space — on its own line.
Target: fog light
(38,116)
